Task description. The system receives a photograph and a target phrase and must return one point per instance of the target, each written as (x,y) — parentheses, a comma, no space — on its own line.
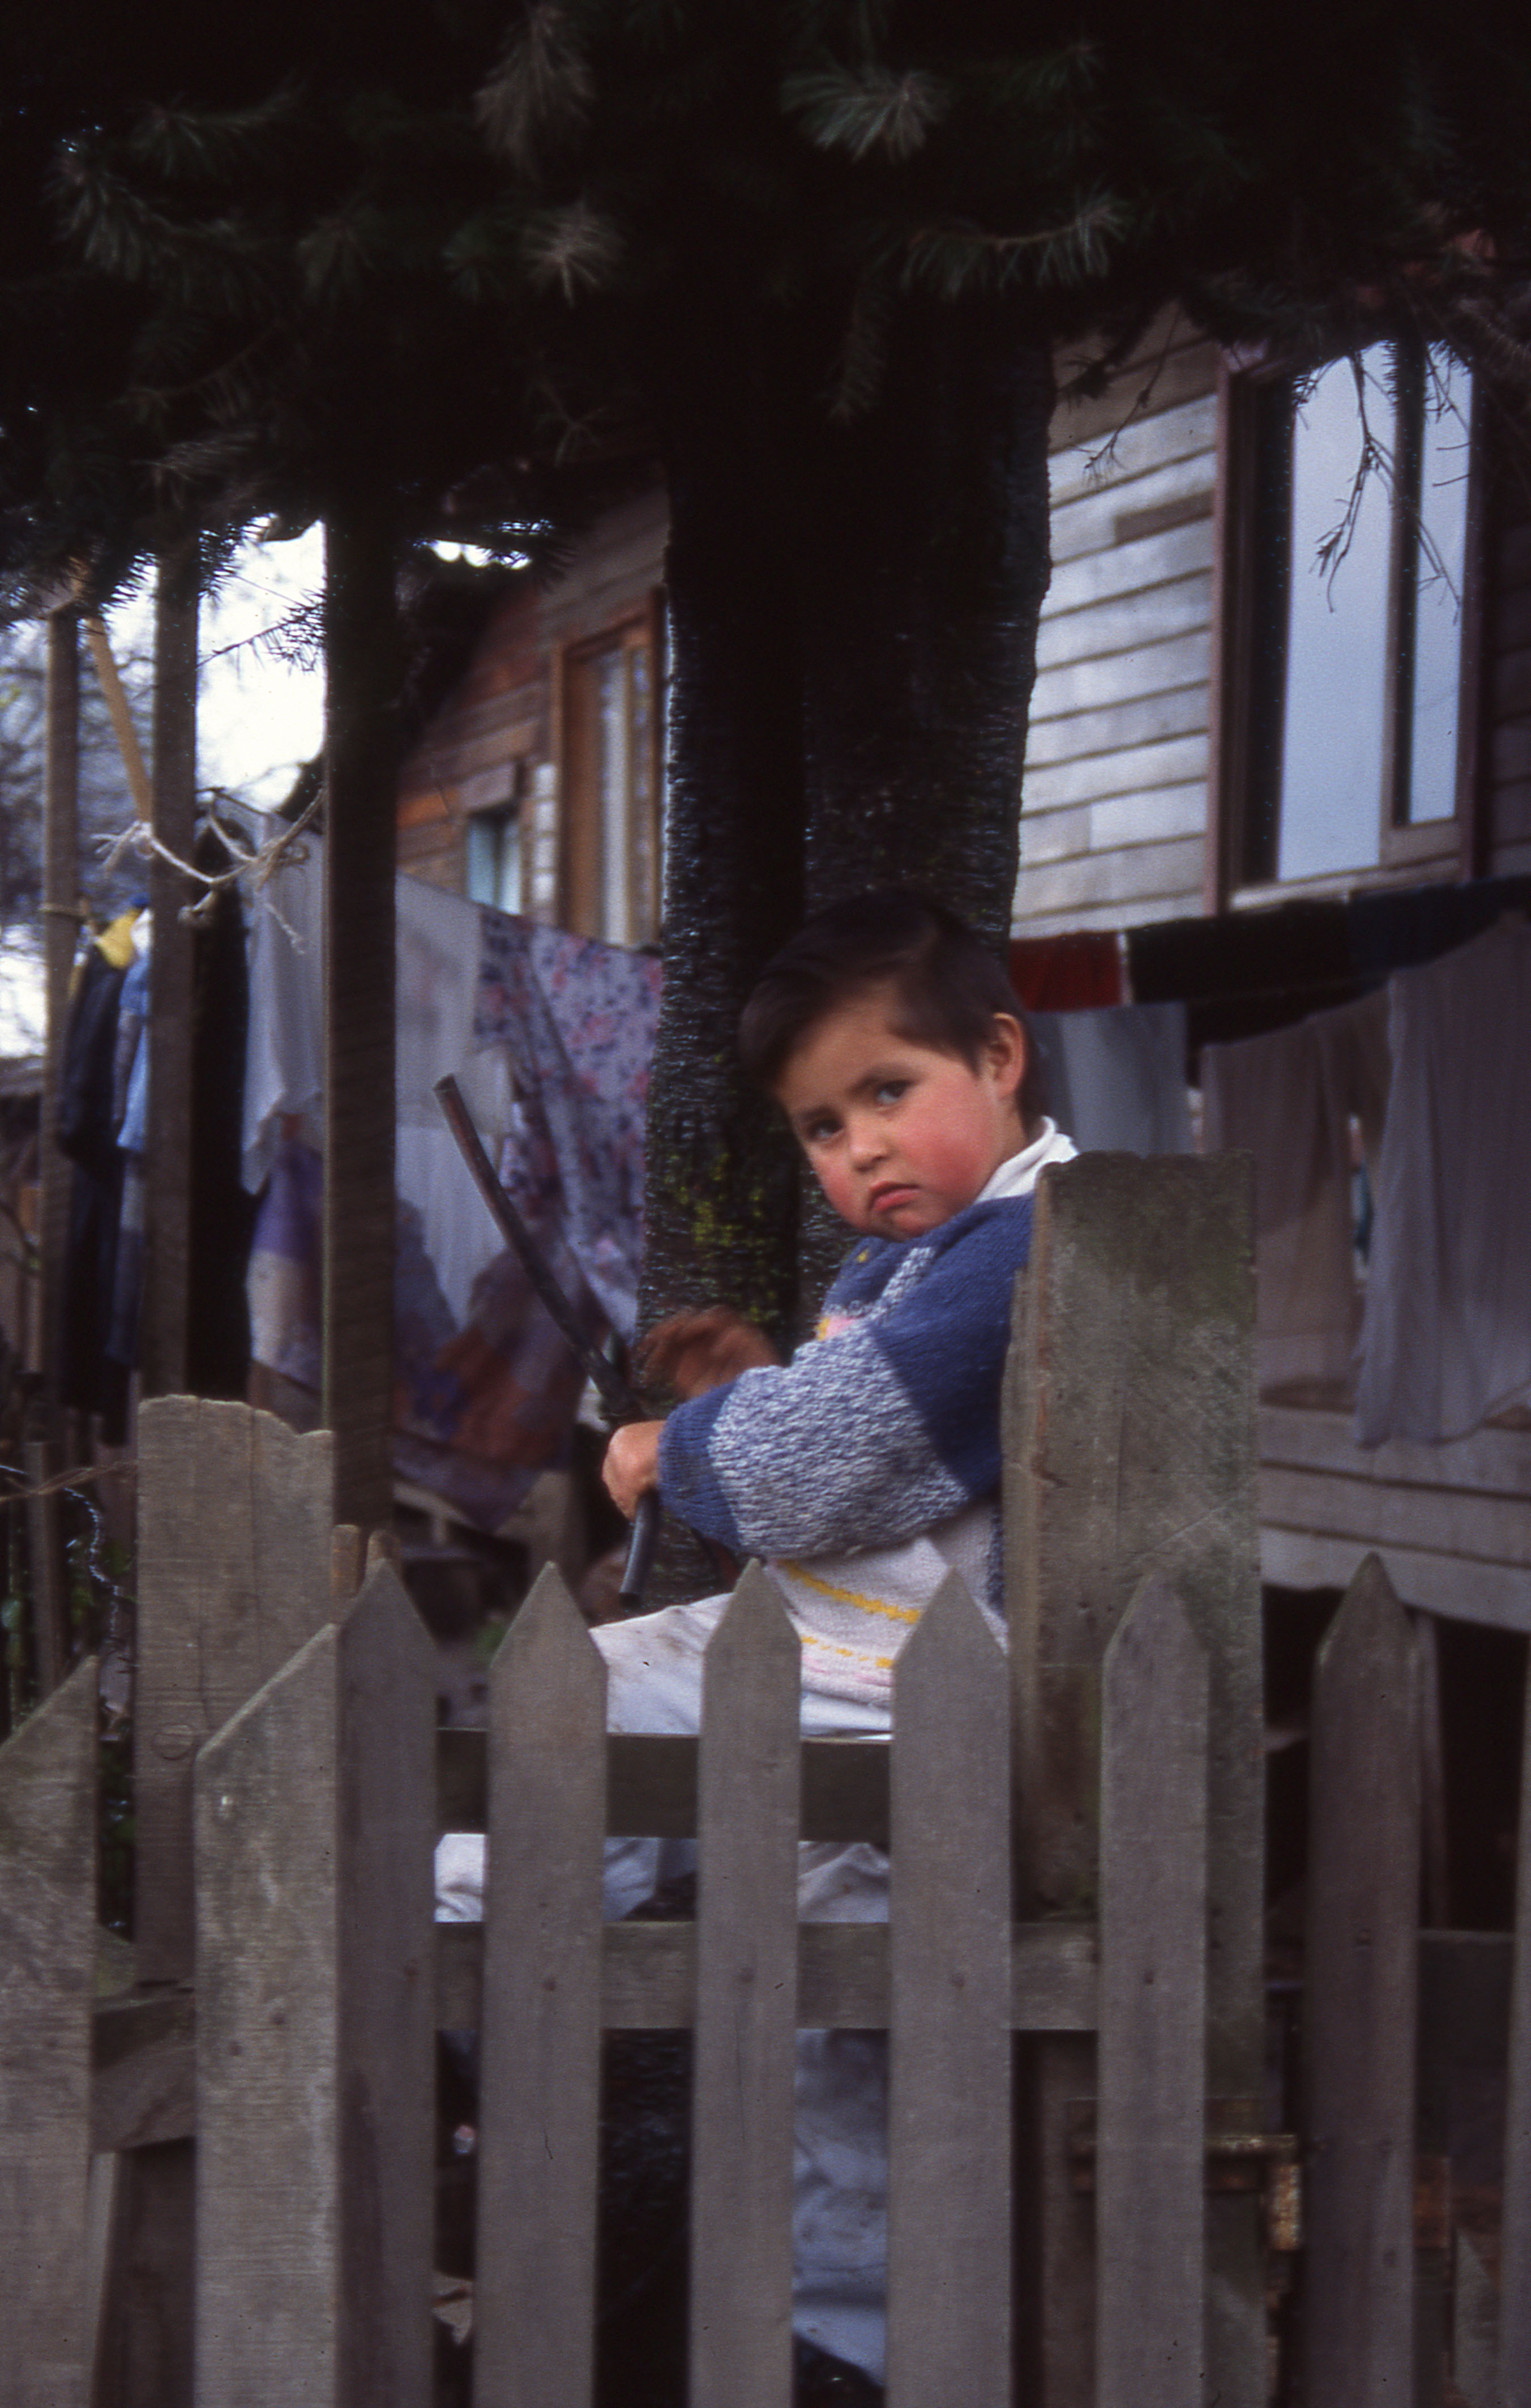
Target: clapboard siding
(1114,792)
(1129,769)
(1148,442)
(1105,512)
(1129,567)
(1452,1522)
(1126,624)
(1096,735)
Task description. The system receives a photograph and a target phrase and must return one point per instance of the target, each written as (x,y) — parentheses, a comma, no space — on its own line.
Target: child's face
(900,1136)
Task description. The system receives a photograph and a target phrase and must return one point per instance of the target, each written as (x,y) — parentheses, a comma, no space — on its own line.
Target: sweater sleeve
(869,1436)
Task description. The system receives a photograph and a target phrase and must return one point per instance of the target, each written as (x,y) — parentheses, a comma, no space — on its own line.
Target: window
(495,858)
(610,778)
(1348,698)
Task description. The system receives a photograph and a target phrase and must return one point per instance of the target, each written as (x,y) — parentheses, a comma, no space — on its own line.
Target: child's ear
(1008,1053)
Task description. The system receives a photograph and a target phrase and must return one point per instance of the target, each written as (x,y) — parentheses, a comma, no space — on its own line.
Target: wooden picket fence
(216,2183)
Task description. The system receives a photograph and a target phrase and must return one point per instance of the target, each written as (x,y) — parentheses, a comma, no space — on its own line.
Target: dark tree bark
(922,578)
(721,1179)
(361,644)
(853,617)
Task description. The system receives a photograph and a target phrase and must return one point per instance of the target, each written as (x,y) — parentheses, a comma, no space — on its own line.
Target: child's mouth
(887,1200)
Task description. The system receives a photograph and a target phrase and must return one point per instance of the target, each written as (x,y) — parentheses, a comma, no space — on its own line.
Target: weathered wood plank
(1118,878)
(1142,768)
(268,2203)
(1362,1889)
(541,2033)
(1462,1589)
(1146,443)
(746,2005)
(649,1977)
(1442,1520)
(1498,1460)
(1091,734)
(44,1566)
(1129,1448)
(1129,568)
(1088,522)
(385,2037)
(314,2026)
(47,1965)
(1151,2116)
(1105,629)
(949,2206)
(234,1546)
(1093,684)
(652,1785)
(1515,2281)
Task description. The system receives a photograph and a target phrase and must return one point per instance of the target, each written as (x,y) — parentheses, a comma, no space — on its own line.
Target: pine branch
(542,89)
(868,108)
(951,259)
(575,249)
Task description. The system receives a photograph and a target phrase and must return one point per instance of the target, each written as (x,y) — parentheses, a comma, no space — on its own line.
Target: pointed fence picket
(748,1791)
(1151,2112)
(536,2294)
(1364,1878)
(949,2168)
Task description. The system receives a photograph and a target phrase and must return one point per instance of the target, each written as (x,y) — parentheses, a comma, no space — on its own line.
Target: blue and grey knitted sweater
(868,1466)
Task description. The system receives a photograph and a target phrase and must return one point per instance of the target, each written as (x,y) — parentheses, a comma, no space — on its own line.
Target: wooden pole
(60,894)
(168,1169)
(361,648)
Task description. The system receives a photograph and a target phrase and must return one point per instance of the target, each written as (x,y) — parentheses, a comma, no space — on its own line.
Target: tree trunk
(721,1178)
(360,640)
(922,580)
(853,616)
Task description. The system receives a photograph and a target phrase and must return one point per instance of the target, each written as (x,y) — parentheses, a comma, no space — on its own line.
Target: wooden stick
(136,768)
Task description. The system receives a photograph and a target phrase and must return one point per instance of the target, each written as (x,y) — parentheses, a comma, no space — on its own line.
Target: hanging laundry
(1290,1098)
(1446,1336)
(550,1037)
(1071,973)
(577,1019)
(1116,1080)
(89,1379)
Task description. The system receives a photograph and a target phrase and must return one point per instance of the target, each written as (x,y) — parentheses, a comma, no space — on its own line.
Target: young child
(867,1468)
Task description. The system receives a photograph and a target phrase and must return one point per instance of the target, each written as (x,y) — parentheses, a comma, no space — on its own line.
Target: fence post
(539,2120)
(315,2016)
(950,2161)
(1130,1448)
(748,1784)
(47,1978)
(234,1565)
(1150,2129)
(1362,1932)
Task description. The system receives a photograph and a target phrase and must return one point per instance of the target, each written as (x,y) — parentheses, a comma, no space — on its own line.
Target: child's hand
(632,1464)
(690,1351)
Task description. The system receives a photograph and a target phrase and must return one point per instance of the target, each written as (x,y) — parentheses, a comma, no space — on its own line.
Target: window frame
(581,849)
(1445,847)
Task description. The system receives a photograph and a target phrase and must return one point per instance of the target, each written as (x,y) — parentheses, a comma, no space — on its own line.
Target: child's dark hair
(948,985)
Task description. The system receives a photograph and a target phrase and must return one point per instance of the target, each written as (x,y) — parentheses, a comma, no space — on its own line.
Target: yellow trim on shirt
(850,1597)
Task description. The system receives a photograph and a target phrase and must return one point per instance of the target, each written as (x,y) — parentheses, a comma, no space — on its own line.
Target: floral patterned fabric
(551,1036)
(578,1020)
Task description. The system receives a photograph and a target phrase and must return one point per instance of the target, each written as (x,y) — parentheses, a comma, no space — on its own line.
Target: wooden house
(1161,788)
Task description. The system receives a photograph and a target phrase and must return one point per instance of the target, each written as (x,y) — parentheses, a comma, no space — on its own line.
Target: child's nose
(865,1141)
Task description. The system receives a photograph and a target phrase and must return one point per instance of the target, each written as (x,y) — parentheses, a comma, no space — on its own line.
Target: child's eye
(891,1089)
(820,1132)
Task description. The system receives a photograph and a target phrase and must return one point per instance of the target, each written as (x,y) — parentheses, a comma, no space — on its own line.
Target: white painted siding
(1114,795)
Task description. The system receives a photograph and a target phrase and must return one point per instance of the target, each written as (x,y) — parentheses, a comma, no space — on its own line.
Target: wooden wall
(504,710)
(1114,797)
